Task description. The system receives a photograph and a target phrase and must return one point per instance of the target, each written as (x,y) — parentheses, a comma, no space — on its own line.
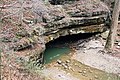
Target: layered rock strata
(54,20)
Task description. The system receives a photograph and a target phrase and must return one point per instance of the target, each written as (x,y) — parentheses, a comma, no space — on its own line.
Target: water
(53,53)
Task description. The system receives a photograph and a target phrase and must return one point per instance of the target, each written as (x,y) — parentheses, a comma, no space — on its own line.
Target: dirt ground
(93,56)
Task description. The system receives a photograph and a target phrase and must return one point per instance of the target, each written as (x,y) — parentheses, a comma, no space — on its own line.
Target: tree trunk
(21,11)
(113,28)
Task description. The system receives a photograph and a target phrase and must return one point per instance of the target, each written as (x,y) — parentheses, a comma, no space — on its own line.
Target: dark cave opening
(61,46)
(70,38)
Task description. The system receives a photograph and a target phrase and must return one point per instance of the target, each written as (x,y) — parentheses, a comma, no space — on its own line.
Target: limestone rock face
(55,19)
(80,16)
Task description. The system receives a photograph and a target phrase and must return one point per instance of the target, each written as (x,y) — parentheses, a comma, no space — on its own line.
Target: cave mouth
(61,46)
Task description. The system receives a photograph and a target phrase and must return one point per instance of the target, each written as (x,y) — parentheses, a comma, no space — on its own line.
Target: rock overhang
(81,16)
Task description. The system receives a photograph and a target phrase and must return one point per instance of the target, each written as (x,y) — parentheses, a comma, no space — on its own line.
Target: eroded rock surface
(49,22)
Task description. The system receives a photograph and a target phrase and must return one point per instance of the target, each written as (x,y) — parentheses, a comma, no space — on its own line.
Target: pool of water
(53,53)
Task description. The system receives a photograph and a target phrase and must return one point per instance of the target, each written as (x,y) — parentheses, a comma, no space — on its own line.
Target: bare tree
(113,28)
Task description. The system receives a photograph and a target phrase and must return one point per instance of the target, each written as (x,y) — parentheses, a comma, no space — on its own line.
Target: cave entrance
(62,46)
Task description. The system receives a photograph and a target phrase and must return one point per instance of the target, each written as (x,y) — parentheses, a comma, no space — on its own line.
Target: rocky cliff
(54,19)
(80,16)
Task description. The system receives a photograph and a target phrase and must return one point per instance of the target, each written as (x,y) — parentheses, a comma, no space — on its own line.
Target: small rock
(65,66)
(117,39)
(68,73)
(104,35)
(118,47)
(59,61)
(119,44)
(69,67)
(84,75)
(42,68)
(84,51)
(75,64)
(84,72)
(96,77)
(118,34)
(67,61)
(59,75)
(80,71)
(72,69)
